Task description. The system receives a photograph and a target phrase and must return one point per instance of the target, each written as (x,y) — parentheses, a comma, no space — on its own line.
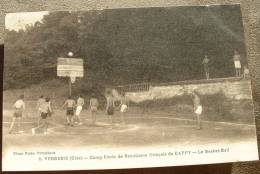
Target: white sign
(70,67)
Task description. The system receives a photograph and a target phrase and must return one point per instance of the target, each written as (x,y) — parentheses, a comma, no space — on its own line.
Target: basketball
(70,54)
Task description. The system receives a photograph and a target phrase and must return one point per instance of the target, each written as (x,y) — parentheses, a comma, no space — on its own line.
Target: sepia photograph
(126,88)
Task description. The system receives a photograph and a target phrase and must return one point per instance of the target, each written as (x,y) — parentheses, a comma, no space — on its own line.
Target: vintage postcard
(126,88)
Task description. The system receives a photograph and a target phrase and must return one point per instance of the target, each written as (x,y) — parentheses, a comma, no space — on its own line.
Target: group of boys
(110,107)
(44,110)
(73,111)
(237,64)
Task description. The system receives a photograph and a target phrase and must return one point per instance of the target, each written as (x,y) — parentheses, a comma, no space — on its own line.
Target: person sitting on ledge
(246,73)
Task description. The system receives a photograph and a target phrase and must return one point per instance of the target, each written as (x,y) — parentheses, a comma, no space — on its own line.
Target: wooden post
(69,86)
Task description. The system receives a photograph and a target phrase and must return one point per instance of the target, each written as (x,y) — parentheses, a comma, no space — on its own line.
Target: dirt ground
(138,130)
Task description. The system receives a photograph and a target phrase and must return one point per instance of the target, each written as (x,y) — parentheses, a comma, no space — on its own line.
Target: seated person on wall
(246,73)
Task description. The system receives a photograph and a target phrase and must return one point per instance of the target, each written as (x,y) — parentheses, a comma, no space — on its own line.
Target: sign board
(70,67)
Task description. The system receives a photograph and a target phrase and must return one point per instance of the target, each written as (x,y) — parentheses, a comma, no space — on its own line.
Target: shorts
(44,115)
(93,109)
(49,113)
(206,68)
(123,108)
(70,111)
(237,64)
(78,110)
(110,110)
(18,113)
(198,111)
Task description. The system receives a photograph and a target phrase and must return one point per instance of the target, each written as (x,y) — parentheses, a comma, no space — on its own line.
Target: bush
(216,107)
(219,104)
(184,99)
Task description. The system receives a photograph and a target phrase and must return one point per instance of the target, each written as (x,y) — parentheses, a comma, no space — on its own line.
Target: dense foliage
(123,46)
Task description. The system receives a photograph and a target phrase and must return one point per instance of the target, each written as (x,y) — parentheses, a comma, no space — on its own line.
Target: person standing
(93,106)
(110,107)
(19,108)
(39,104)
(70,105)
(124,106)
(237,63)
(46,111)
(197,108)
(205,64)
(80,103)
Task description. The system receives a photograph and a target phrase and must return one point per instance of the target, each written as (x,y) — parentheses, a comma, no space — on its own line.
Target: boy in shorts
(124,106)
(237,63)
(70,103)
(205,64)
(110,106)
(45,113)
(19,107)
(80,103)
(197,108)
(93,106)
(39,104)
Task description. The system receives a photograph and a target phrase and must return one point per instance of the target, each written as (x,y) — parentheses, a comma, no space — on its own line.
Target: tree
(122,46)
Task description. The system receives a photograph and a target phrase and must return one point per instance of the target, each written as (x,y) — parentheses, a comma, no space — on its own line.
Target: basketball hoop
(72,79)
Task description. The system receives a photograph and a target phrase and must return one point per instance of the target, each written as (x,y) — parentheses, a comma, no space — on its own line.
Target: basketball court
(138,130)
